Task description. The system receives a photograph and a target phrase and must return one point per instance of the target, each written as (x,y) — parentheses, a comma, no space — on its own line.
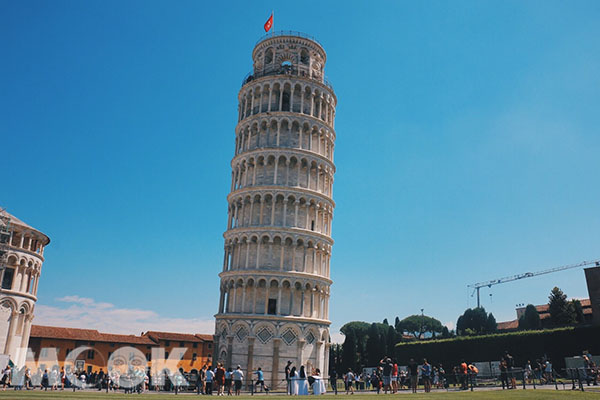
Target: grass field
(481,395)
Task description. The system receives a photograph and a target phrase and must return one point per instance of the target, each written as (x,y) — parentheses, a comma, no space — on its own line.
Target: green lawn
(481,395)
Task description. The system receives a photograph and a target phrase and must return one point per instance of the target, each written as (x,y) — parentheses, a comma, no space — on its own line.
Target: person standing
(200,381)
(302,382)
(394,376)
(413,370)
(238,377)
(294,381)
(260,379)
(387,366)
(333,381)
(209,381)
(349,381)
(220,379)
(288,382)
(228,380)
(426,374)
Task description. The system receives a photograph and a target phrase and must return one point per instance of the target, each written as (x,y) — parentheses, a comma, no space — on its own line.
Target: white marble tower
(21,265)
(275,282)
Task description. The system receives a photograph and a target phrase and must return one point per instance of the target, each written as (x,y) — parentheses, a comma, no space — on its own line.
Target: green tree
(418,325)
(491,325)
(376,345)
(578,311)
(561,311)
(359,329)
(385,321)
(446,334)
(475,321)
(349,353)
(391,340)
(530,319)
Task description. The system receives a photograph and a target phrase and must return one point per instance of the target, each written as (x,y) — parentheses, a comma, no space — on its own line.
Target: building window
(148,356)
(167,343)
(67,352)
(112,345)
(8,278)
(194,357)
(195,345)
(148,347)
(210,346)
(166,354)
(272,307)
(181,344)
(90,354)
(109,354)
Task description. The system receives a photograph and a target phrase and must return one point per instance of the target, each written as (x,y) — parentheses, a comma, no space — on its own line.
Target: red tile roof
(176,337)
(205,337)
(508,325)
(86,335)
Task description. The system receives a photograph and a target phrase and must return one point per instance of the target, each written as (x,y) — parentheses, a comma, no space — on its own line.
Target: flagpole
(273,25)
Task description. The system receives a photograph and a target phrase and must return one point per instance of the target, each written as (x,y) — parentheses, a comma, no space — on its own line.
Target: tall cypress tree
(530,318)
(561,311)
(349,352)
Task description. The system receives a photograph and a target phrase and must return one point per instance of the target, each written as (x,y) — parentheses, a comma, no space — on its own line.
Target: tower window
(272,307)
(9,273)
(312,225)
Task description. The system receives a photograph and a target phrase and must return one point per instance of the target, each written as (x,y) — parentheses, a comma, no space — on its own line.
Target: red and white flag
(269,23)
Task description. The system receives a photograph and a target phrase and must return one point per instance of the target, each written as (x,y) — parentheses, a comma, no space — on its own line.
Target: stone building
(275,283)
(22,258)
(198,347)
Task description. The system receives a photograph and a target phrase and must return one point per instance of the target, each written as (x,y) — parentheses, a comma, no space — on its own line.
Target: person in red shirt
(220,379)
(395,377)
(464,369)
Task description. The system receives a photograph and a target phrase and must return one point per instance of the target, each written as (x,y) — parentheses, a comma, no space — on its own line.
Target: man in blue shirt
(260,379)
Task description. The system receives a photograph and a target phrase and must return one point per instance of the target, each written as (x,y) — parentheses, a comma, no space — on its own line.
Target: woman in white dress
(293,381)
(319,385)
(302,382)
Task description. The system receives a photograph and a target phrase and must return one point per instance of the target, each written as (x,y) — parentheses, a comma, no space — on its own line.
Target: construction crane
(477,286)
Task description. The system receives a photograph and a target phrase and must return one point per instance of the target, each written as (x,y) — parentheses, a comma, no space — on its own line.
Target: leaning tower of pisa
(21,257)
(275,282)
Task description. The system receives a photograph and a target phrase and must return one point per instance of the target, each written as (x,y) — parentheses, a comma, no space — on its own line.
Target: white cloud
(86,313)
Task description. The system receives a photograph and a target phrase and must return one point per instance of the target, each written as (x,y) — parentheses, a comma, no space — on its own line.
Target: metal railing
(285,70)
(287,33)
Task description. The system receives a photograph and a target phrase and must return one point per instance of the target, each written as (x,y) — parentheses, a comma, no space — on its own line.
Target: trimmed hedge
(556,344)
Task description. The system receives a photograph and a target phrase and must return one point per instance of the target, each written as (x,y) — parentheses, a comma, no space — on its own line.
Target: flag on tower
(269,23)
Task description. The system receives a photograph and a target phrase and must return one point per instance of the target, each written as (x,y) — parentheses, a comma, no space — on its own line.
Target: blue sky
(467,149)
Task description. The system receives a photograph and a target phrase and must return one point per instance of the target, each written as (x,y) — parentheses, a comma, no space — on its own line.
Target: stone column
(270,92)
(229,351)
(250,363)
(299,358)
(11,332)
(320,363)
(275,367)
